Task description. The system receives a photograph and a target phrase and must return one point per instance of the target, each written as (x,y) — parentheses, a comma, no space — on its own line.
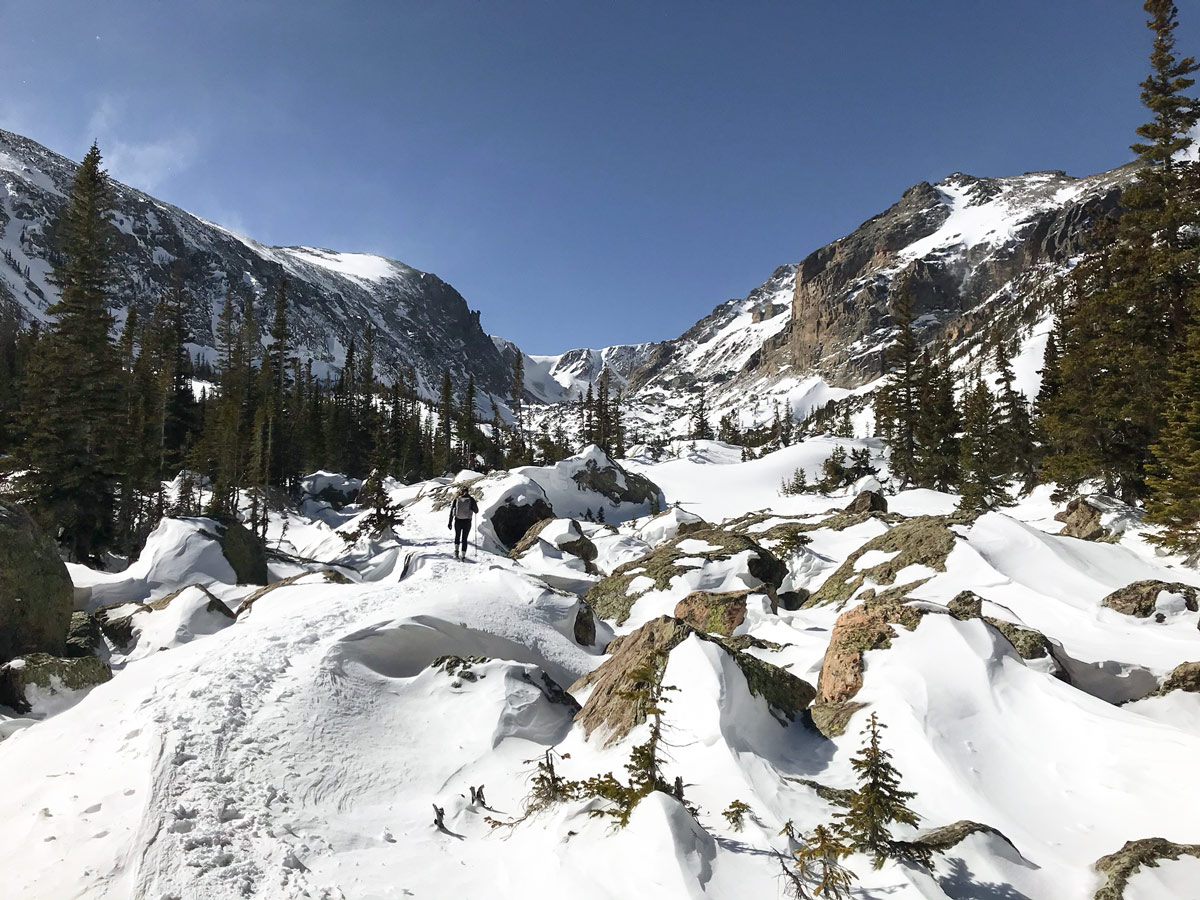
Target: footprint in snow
(95,807)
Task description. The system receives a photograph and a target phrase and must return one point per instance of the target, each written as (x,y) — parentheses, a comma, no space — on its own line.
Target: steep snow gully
(300,750)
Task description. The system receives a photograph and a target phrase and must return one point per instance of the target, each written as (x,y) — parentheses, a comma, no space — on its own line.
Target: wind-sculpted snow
(299,750)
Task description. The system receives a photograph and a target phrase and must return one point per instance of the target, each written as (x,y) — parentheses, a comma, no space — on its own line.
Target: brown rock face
(1117,868)
(841,311)
(868,502)
(1082,520)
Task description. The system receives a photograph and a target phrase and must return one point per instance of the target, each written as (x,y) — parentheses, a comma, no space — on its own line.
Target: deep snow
(298,751)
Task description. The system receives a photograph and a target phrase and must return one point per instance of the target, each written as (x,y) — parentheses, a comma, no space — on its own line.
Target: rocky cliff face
(421,322)
(969,247)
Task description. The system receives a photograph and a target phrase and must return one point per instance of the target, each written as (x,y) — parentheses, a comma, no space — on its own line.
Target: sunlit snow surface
(299,751)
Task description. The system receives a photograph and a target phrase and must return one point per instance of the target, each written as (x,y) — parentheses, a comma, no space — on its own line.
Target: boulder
(1117,868)
(565,534)
(868,502)
(511,520)
(672,522)
(1096,518)
(331,576)
(601,474)
(585,626)
(947,837)
(246,553)
(1184,677)
(921,541)
(85,637)
(41,673)
(714,612)
(613,706)
(116,621)
(36,596)
(1141,598)
(865,627)
(613,596)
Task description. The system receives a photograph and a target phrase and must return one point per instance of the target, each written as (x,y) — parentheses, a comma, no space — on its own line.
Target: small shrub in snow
(735,814)
(818,870)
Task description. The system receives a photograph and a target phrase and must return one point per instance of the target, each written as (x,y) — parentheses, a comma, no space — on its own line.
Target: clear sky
(585,172)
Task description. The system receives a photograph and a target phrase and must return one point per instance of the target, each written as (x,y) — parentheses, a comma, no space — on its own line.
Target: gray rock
(52,674)
(1140,598)
(36,596)
(85,637)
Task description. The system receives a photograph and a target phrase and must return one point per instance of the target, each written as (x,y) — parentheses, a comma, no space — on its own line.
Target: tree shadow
(959,884)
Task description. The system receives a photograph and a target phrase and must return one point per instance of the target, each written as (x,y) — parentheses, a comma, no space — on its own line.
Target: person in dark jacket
(462,512)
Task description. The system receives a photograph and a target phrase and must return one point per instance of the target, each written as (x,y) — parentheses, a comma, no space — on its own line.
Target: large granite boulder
(24,679)
(245,551)
(36,596)
(1117,868)
(714,612)
(613,707)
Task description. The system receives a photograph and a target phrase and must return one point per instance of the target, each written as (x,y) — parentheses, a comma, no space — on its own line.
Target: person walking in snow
(462,512)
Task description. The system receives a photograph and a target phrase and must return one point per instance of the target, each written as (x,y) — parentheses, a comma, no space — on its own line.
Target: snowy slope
(299,750)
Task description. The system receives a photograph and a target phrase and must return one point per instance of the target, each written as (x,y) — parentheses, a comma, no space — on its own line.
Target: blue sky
(585,173)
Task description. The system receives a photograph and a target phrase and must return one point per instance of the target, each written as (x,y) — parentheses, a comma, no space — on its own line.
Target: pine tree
(1015,423)
(442,454)
(701,430)
(903,389)
(1175,472)
(981,460)
(74,417)
(518,454)
(1126,305)
(878,802)
(935,433)
(819,866)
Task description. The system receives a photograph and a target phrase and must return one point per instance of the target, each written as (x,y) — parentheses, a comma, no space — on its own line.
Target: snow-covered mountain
(420,321)
(976,252)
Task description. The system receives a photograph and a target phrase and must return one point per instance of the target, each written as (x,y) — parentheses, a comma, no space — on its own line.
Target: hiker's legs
(461,528)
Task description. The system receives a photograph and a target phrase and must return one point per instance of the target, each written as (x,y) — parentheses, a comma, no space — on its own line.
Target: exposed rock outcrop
(613,596)
(1141,598)
(868,502)
(214,604)
(1117,868)
(613,707)
(41,672)
(116,621)
(244,550)
(84,637)
(1184,677)
(569,539)
(512,520)
(714,613)
(922,541)
(36,596)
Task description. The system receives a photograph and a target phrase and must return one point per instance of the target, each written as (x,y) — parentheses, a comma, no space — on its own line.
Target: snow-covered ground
(299,749)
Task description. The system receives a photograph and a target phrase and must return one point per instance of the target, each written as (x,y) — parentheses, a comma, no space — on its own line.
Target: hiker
(462,510)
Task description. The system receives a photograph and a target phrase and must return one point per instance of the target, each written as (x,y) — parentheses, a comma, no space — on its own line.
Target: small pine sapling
(819,864)
(878,803)
(735,814)
(797,484)
(547,788)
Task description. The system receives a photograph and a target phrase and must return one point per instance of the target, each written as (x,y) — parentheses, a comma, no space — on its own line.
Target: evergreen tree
(701,430)
(819,866)
(73,417)
(935,433)
(903,389)
(981,461)
(443,451)
(1175,472)
(1126,305)
(878,802)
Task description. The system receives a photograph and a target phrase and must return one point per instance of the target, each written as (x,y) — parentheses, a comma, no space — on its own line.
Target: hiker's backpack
(462,508)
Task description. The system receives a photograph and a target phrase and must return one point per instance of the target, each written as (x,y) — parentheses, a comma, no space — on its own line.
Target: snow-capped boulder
(714,612)
(1152,598)
(30,680)
(868,501)
(115,621)
(562,534)
(669,524)
(179,552)
(905,556)
(612,706)
(710,559)
(591,481)
(1095,517)
(330,487)
(36,597)
(178,619)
